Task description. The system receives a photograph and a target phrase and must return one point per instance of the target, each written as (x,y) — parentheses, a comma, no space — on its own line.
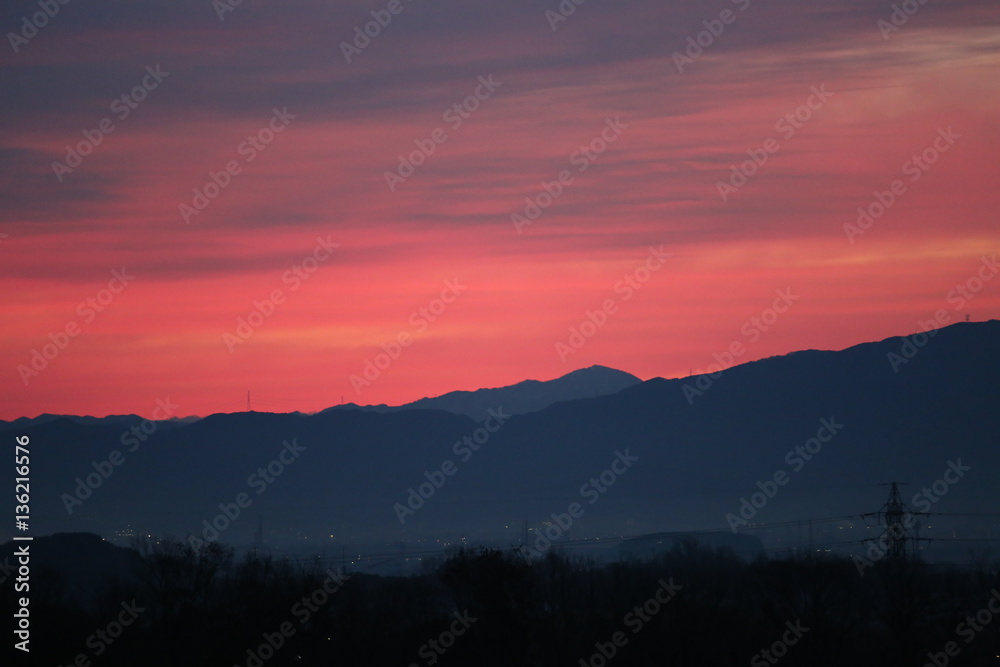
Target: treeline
(489,607)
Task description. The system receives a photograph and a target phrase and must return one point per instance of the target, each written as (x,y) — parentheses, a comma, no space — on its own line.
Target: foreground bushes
(491,607)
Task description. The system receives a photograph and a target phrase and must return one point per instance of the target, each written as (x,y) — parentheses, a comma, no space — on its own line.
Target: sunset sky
(642,124)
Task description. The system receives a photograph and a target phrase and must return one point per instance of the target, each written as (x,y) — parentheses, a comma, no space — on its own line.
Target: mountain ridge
(696,459)
(519,398)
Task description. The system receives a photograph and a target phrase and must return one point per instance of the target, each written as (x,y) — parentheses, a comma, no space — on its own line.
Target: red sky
(323,177)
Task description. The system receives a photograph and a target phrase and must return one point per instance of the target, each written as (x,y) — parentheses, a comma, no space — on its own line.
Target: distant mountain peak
(521,398)
(598,370)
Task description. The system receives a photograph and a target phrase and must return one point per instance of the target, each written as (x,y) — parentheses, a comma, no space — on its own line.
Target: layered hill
(661,455)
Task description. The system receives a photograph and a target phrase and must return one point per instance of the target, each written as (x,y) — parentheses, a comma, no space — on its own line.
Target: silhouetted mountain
(697,457)
(521,398)
(24,422)
(77,565)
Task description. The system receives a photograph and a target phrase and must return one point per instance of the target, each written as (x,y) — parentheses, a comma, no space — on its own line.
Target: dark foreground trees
(490,607)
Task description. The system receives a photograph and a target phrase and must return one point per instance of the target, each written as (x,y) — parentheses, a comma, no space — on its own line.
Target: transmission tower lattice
(897,519)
